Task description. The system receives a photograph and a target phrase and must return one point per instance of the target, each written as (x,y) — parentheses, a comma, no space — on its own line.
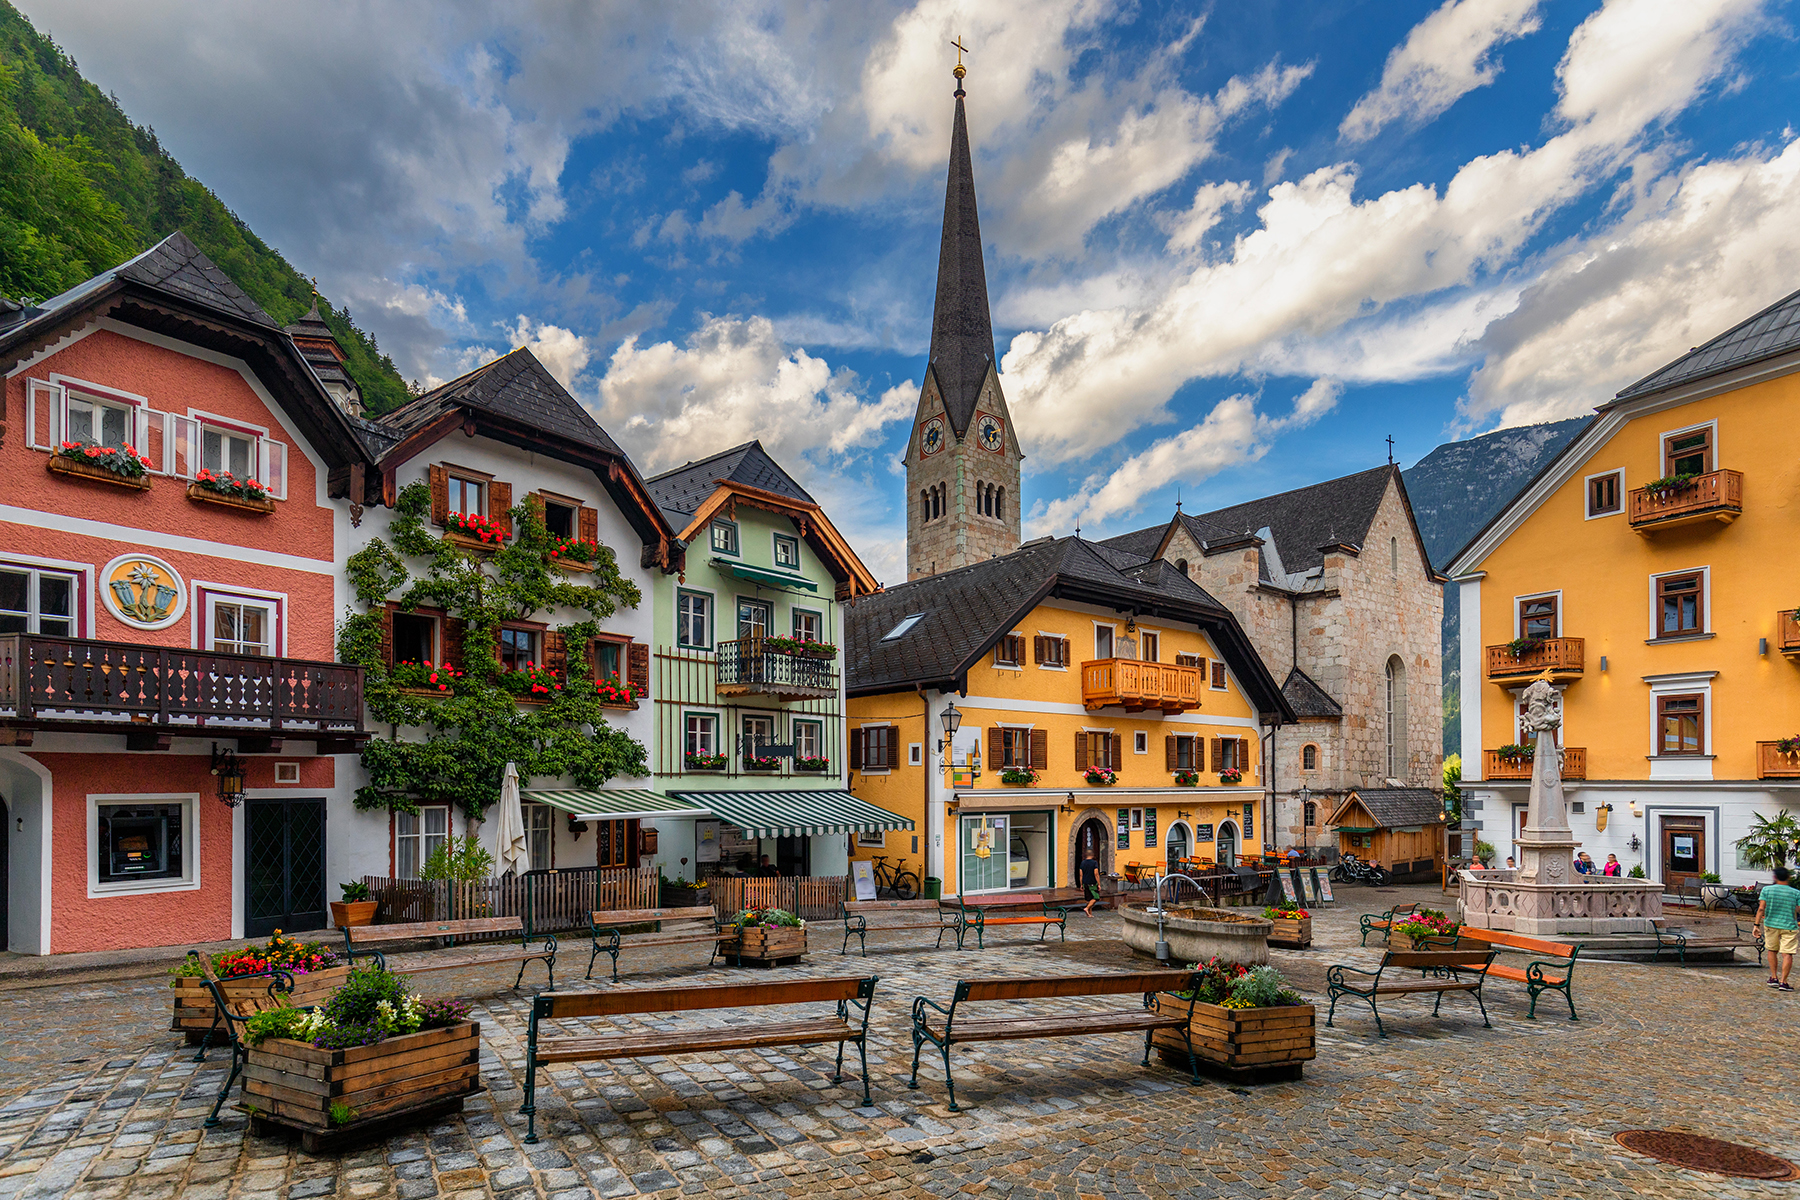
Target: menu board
(1203,833)
(1149,829)
(1323,884)
(1287,886)
(1249,821)
(1124,829)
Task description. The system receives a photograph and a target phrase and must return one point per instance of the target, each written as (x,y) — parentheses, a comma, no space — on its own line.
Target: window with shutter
(438,477)
(42,402)
(589,524)
(1218,675)
(556,652)
(387,635)
(1169,753)
(637,666)
(1040,749)
(996,748)
(453,641)
(1037,649)
(1218,754)
(1081,751)
(856,749)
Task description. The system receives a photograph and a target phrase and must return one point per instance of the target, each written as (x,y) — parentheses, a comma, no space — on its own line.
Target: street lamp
(952,720)
(1304,795)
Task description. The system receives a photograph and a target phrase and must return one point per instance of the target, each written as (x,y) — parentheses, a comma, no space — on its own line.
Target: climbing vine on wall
(459,741)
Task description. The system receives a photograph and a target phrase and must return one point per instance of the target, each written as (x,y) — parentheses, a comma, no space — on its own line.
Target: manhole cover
(1698,1153)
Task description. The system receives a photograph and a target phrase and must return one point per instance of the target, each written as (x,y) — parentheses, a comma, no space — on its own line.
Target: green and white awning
(796,814)
(611,804)
(765,575)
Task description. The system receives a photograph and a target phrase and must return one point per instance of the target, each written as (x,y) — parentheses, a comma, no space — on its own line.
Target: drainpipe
(925,779)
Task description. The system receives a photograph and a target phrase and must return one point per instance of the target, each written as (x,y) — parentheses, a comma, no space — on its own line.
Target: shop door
(1177,845)
(986,855)
(284,867)
(1092,842)
(1226,846)
(1684,850)
(793,855)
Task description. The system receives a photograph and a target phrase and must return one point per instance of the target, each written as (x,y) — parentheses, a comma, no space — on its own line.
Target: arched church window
(1394,555)
(1000,502)
(1309,757)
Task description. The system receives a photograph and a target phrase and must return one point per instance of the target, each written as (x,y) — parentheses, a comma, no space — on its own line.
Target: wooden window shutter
(1169,751)
(453,641)
(1081,748)
(588,525)
(440,493)
(1115,750)
(637,667)
(1243,759)
(556,652)
(856,749)
(1218,753)
(500,506)
(387,635)
(1040,749)
(1037,649)
(996,751)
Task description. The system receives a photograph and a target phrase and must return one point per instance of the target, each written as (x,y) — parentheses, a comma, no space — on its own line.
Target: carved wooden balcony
(1562,657)
(1136,686)
(747,667)
(1787,631)
(1498,767)
(152,693)
(1715,496)
(1771,763)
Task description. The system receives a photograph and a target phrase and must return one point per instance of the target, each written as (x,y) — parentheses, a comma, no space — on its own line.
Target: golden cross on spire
(315,287)
(960,51)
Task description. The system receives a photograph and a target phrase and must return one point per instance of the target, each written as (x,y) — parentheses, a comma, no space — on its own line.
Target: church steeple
(962,466)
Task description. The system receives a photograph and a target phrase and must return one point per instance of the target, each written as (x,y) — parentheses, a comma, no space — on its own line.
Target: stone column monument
(1546,847)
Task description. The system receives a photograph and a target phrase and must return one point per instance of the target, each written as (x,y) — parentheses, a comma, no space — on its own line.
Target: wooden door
(1683,851)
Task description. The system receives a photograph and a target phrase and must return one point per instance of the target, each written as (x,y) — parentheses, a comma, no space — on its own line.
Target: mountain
(1455,491)
(82,188)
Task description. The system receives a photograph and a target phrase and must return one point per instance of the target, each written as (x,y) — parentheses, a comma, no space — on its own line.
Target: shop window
(142,845)
(33,601)
(417,836)
(540,835)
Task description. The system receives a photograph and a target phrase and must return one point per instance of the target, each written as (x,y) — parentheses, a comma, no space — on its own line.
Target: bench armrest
(1334,976)
(855,921)
(922,1003)
(1061,910)
(863,1000)
(1535,968)
(1673,937)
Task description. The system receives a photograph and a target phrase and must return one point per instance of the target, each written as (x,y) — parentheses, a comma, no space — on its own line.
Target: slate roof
(312,325)
(1775,330)
(962,329)
(177,266)
(1394,808)
(515,387)
(1307,698)
(681,492)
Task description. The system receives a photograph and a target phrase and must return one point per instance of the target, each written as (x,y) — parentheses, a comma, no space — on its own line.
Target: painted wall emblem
(143,591)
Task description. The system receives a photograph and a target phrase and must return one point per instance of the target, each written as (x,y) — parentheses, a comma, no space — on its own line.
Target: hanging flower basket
(1187,779)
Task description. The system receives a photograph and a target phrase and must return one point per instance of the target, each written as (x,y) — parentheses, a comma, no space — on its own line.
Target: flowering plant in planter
(1789,745)
(1216,978)
(297,958)
(530,681)
(1101,776)
(227,484)
(1261,987)
(705,762)
(372,1005)
(611,691)
(761,762)
(1428,922)
(123,461)
(425,676)
(489,531)
(804,647)
(1518,646)
(1187,778)
(757,918)
(1019,775)
(573,550)
(1231,775)
(1285,910)
(812,764)
(1669,483)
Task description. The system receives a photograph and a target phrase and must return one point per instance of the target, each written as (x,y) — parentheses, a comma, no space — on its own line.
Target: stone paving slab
(97,1099)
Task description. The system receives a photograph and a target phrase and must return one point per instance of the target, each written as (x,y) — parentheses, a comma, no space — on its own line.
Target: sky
(1231,248)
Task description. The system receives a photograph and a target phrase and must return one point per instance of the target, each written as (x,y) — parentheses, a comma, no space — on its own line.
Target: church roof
(515,387)
(1773,331)
(681,492)
(1307,698)
(962,329)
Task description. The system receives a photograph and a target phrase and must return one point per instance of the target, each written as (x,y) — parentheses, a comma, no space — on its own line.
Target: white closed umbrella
(509,838)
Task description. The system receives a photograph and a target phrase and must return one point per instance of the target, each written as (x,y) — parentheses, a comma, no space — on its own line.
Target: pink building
(166,632)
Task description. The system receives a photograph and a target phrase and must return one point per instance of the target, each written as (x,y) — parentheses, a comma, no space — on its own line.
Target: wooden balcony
(1771,763)
(1715,496)
(1136,686)
(1518,766)
(152,693)
(1787,631)
(1562,657)
(746,667)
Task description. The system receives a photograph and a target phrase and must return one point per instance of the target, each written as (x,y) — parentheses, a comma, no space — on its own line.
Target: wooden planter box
(463,541)
(1295,934)
(572,567)
(683,897)
(1243,1043)
(207,496)
(395,1083)
(767,944)
(193,1004)
(353,912)
(61,465)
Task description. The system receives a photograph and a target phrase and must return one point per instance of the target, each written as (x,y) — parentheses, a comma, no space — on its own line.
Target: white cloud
(563,352)
(1444,57)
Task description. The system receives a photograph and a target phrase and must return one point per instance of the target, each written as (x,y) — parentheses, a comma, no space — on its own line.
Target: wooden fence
(812,897)
(547,900)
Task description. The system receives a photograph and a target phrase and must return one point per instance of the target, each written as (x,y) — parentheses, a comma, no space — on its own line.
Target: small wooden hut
(1401,829)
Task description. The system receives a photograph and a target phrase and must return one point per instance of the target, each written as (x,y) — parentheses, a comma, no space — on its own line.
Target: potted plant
(1513,752)
(1770,840)
(705,762)
(1101,776)
(1018,776)
(761,762)
(1518,646)
(1293,925)
(1187,779)
(1636,872)
(1230,775)
(572,554)
(222,487)
(1668,485)
(312,965)
(109,464)
(1788,745)
(768,935)
(1423,927)
(812,764)
(356,908)
(812,649)
(1246,1024)
(679,893)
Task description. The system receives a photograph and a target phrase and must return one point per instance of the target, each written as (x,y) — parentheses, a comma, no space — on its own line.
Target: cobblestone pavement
(97,1099)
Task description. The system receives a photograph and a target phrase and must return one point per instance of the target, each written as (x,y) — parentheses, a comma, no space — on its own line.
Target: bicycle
(1351,869)
(899,885)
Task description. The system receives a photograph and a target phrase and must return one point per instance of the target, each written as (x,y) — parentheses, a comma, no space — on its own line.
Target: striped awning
(611,804)
(796,814)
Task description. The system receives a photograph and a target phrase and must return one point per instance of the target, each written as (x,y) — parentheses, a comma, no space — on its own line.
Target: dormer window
(724,537)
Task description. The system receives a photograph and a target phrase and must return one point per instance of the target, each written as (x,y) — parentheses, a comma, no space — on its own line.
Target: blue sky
(1230,248)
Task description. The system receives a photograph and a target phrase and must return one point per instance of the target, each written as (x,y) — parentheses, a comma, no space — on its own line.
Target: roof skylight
(906,623)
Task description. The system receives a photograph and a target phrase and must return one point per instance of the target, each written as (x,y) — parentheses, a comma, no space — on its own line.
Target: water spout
(1162,941)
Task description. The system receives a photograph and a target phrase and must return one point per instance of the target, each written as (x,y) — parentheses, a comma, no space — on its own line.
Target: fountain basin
(1196,934)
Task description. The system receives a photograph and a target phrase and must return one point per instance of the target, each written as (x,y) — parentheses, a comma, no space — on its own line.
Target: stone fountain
(1545,896)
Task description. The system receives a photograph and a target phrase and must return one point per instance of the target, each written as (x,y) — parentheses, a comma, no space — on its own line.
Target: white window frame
(776,542)
(190,844)
(546,816)
(1156,636)
(893,740)
(203,592)
(1587,494)
(1140,741)
(271,457)
(686,733)
(1112,640)
(80,574)
(1011,664)
(1059,637)
(1706,612)
(138,406)
(422,837)
(271,609)
(287,773)
(818,728)
(712,542)
(1518,624)
(1682,766)
(915,754)
(712,610)
(794,615)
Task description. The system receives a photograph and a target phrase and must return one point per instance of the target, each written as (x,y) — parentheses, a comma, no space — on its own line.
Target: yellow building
(1646,572)
(1065,664)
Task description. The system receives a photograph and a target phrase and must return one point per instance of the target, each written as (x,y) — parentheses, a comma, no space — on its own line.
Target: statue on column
(1546,846)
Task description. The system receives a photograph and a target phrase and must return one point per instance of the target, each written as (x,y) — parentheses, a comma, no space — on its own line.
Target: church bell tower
(962,460)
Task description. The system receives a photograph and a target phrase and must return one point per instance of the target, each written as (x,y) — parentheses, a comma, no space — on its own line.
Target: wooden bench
(956,1029)
(972,912)
(1445,969)
(692,927)
(462,956)
(542,1048)
(1384,921)
(1554,973)
(894,914)
(1682,940)
(233,1013)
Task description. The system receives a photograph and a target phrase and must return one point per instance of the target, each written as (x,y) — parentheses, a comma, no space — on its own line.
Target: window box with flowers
(799,647)
(1229,776)
(425,679)
(472,531)
(706,762)
(1101,776)
(1187,779)
(222,487)
(531,684)
(1019,776)
(120,466)
(574,555)
(614,694)
(761,762)
(812,764)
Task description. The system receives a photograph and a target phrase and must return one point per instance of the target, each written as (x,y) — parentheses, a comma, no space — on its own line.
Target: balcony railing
(749,668)
(1787,631)
(1771,763)
(1497,767)
(151,692)
(1136,686)
(1562,657)
(1715,496)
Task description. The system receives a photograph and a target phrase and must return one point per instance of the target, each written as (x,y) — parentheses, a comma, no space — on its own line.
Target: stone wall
(963,535)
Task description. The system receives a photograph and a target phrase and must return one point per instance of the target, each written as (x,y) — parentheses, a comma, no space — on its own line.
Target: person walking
(1087,874)
(1775,916)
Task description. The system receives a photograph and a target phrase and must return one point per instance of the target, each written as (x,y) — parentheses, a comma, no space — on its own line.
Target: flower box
(1295,933)
(335,1096)
(1018,777)
(463,541)
(63,465)
(194,1011)
(346,913)
(571,566)
(1241,1043)
(768,943)
(245,503)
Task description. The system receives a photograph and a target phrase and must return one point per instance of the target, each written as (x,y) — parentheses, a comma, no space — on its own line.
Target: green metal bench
(981,912)
(1443,969)
(1683,940)
(1383,921)
(1553,974)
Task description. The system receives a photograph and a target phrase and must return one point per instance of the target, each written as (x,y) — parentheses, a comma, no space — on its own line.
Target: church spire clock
(962,460)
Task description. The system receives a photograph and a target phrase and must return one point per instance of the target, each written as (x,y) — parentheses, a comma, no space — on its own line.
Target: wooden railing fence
(548,900)
(810,897)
